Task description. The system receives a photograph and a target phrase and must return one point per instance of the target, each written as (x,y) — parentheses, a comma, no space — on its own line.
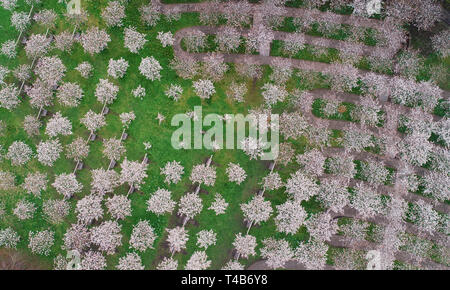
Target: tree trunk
(39,113)
(249,227)
(74,29)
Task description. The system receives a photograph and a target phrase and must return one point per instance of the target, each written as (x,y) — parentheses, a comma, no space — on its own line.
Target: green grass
(145,128)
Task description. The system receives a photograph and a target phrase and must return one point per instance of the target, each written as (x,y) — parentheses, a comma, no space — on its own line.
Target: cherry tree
(235,173)
(119,206)
(350,53)
(233,265)
(150,68)
(150,14)
(142,236)
(415,148)
(257,210)
(245,245)
(367,112)
(94,40)
(272,181)
(46,18)
(206,238)
(167,264)
(238,13)
(4,71)
(9,97)
(106,92)
(161,202)
(107,236)
(48,151)
(423,14)
(113,14)
(133,173)
(312,254)
(290,217)
(166,38)
(24,209)
(273,94)
(22,72)
(35,183)
(210,14)
(93,260)
(276,252)
(301,187)
(55,211)
(41,242)
(355,231)
(408,64)
(133,40)
(190,205)
(194,40)
(77,150)
(204,88)
(342,165)
(312,162)
(333,194)
(252,147)
(9,49)
(214,66)
(228,39)
(113,149)
(366,201)
(440,44)
(177,238)
(104,181)
(58,125)
(139,92)
(203,174)
(342,77)
(174,91)
(7,180)
(356,138)
(50,69)
(8,4)
(374,172)
(281,70)
(40,95)
(117,68)
(437,185)
(248,68)
(9,238)
(131,261)
(259,39)
(237,91)
(173,170)
(64,41)
(20,20)
(37,45)
(219,205)
(85,69)
(376,85)
(67,185)
(425,217)
(322,226)
(293,43)
(93,121)
(198,261)
(186,66)
(19,153)
(69,94)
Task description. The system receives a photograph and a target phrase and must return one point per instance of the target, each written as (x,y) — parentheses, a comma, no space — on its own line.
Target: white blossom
(161,202)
